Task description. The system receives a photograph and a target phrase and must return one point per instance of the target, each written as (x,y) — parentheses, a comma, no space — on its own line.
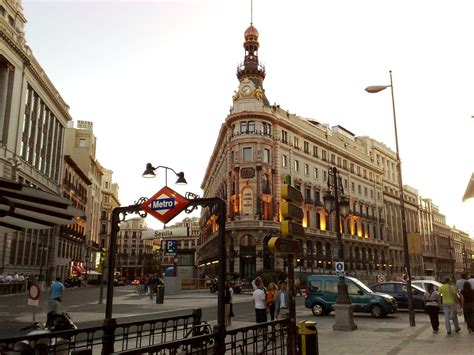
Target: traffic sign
(165,204)
(169,247)
(165,233)
(340,268)
(291,228)
(380,278)
(34,292)
(33,302)
(285,245)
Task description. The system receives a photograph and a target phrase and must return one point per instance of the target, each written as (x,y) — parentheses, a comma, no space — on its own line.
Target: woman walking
(432,301)
(467,302)
(271,293)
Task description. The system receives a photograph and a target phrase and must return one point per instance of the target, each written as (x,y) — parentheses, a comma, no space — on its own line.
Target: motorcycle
(55,322)
(214,287)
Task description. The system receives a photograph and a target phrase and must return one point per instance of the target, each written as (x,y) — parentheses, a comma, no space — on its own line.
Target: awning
(24,207)
(79,269)
(469,190)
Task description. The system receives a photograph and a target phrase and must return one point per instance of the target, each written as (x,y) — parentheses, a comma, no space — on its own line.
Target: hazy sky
(157,79)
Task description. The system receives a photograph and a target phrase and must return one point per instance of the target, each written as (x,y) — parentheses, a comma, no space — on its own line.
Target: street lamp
(150,173)
(373,90)
(335,201)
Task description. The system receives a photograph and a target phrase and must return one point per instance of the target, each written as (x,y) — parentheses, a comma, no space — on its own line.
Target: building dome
(251,32)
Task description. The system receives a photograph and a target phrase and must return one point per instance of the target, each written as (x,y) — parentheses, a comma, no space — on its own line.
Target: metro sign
(165,204)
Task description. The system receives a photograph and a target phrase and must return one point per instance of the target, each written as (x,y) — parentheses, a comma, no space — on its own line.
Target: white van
(424,284)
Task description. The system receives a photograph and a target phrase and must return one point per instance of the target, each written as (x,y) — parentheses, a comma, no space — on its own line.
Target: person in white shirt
(21,278)
(460,283)
(16,277)
(8,278)
(260,301)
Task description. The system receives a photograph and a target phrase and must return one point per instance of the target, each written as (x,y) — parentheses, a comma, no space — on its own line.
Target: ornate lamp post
(150,173)
(335,201)
(411,311)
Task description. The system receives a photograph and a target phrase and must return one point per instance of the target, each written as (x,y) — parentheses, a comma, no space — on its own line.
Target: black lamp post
(150,173)
(335,201)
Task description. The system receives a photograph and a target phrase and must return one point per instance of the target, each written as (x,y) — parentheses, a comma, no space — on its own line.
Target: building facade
(260,146)
(33,119)
(134,254)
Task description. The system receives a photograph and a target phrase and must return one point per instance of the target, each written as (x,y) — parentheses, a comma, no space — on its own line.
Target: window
(324,175)
(359,188)
(323,153)
(306,169)
(315,286)
(344,164)
(330,286)
(284,161)
(352,167)
(352,288)
(333,159)
(306,147)
(365,173)
(267,129)
(365,191)
(353,187)
(247,154)
(251,127)
(82,142)
(371,193)
(243,127)
(385,288)
(358,170)
(315,173)
(297,165)
(266,155)
(296,142)
(315,151)
(284,136)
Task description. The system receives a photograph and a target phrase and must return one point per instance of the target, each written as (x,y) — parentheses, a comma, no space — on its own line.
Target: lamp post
(335,201)
(372,90)
(150,173)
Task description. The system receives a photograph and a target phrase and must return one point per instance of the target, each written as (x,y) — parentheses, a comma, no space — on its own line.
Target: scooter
(55,322)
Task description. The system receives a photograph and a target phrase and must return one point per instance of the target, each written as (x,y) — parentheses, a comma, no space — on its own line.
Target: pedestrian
(282,302)
(467,302)
(16,277)
(260,301)
(431,300)
(56,291)
(460,282)
(21,278)
(79,280)
(298,287)
(271,293)
(8,278)
(471,281)
(449,300)
(227,303)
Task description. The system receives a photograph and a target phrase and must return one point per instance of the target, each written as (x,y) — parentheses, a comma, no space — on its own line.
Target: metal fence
(263,338)
(123,336)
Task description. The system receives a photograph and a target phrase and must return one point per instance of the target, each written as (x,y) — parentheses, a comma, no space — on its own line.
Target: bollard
(160,294)
(308,335)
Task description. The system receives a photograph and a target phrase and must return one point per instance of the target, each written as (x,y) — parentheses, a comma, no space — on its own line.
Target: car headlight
(389,299)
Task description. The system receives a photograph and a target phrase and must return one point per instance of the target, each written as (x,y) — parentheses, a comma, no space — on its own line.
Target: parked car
(424,284)
(136,282)
(322,292)
(398,290)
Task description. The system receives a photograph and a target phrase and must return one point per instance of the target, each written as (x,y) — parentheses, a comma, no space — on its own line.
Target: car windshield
(361,285)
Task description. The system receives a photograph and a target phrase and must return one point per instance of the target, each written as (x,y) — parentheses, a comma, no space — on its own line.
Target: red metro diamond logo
(165,204)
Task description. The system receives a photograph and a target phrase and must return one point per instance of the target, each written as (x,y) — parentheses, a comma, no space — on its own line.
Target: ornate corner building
(259,145)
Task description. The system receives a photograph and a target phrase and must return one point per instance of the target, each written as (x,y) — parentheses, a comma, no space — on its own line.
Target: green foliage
(271,276)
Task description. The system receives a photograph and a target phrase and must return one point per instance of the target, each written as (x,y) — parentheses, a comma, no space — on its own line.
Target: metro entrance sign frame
(165,204)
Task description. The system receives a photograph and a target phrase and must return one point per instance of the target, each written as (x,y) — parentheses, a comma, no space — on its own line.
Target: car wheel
(377,311)
(318,310)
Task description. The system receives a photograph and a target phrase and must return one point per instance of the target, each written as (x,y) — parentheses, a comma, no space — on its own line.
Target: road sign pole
(292,308)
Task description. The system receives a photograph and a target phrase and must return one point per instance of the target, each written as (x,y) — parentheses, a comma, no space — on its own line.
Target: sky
(157,79)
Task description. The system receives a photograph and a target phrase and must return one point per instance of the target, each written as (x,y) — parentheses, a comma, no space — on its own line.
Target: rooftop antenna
(251,12)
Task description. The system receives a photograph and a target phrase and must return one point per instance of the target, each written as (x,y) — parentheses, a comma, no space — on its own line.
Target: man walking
(260,301)
(460,283)
(449,301)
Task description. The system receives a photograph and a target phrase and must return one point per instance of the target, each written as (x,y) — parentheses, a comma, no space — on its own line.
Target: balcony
(308,201)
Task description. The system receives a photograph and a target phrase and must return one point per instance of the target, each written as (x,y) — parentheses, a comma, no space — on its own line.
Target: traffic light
(292,214)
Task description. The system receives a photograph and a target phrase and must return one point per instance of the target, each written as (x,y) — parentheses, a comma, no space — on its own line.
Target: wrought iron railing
(125,336)
(261,338)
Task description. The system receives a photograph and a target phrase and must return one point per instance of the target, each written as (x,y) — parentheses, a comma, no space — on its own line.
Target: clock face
(246,90)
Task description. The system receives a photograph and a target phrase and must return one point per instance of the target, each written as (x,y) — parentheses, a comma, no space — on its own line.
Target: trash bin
(308,338)
(160,294)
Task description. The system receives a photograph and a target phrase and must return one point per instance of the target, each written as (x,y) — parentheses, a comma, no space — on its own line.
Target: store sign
(247,201)
(85,124)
